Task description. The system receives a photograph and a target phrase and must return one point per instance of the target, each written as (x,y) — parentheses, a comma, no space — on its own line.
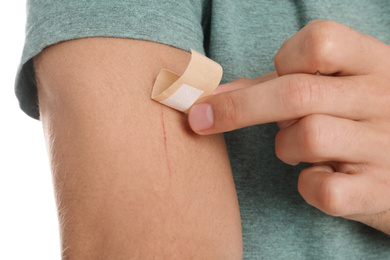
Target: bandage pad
(200,79)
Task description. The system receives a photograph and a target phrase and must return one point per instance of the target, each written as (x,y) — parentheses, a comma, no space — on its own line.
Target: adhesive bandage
(200,79)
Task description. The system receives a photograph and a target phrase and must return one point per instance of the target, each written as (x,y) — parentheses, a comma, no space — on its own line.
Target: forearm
(131,179)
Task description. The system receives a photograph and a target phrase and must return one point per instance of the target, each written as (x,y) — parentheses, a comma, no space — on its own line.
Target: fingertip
(292,163)
(201,117)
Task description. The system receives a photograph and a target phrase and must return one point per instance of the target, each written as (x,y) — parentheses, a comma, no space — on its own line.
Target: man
(134,182)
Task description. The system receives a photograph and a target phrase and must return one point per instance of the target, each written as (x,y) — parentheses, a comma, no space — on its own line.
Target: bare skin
(132,181)
(331,97)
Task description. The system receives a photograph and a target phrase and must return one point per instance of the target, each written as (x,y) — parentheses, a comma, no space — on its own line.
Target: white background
(28,220)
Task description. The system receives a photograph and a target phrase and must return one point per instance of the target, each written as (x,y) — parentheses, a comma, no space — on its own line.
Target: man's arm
(132,180)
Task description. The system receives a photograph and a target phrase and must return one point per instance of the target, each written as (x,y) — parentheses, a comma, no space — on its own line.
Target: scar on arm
(165,142)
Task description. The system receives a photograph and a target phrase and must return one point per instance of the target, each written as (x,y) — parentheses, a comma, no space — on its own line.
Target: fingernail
(293,163)
(201,117)
(324,168)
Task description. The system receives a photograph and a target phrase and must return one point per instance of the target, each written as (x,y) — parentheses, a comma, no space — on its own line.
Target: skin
(331,97)
(130,177)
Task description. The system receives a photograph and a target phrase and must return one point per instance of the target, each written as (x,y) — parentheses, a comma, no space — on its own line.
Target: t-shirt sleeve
(177,23)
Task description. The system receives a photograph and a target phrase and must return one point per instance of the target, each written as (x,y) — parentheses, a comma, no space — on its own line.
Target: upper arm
(131,179)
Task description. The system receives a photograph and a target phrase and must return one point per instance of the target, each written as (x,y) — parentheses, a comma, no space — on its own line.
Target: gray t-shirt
(243,36)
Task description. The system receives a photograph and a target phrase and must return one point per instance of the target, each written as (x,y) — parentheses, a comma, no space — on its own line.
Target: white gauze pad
(183,98)
(200,79)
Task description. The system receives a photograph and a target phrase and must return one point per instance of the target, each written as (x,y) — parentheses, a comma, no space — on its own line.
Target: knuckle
(331,199)
(313,138)
(336,199)
(228,107)
(299,93)
(320,41)
(328,193)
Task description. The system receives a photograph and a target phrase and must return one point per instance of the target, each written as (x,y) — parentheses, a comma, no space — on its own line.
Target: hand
(332,102)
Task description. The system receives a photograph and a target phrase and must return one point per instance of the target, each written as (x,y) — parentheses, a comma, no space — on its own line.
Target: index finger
(284,98)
